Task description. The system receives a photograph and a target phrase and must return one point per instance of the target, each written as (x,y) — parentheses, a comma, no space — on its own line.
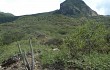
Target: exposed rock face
(76,8)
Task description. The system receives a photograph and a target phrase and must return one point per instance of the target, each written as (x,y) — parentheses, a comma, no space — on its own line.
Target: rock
(10,61)
(16,67)
(0,66)
(55,49)
(76,8)
(41,36)
(53,41)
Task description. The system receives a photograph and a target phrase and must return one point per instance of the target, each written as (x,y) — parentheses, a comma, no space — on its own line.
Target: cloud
(105,5)
(62,1)
(101,6)
(21,7)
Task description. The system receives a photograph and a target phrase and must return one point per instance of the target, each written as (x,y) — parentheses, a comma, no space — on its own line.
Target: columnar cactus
(24,57)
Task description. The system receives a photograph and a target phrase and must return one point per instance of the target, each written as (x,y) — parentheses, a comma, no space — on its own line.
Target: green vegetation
(82,42)
(2,14)
(79,42)
(89,37)
(6,17)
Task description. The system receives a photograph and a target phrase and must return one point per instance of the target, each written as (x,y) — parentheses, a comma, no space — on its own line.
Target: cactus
(27,63)
(32,54)
(24,57)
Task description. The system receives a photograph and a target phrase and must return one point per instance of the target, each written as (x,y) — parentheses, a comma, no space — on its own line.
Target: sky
(102,7)
(24,7)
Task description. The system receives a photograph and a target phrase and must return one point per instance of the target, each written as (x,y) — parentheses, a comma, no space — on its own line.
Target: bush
(88,37)
(54,41)
(10,37)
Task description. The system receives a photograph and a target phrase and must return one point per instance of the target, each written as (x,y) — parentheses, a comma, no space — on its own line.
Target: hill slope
(2,14)
(47,32)
(61,41)
(6,17)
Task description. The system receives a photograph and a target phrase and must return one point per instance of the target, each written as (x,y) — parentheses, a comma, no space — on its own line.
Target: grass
(57,27)
(98,61)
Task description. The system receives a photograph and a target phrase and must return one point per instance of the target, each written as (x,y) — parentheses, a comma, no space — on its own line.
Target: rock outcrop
(76,8)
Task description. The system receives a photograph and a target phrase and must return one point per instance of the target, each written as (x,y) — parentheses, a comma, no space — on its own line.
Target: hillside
(59,41)
(2,14)
(6,17)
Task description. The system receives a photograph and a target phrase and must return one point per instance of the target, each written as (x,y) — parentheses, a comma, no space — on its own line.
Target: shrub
(54,41)
(88,37)
(10,37)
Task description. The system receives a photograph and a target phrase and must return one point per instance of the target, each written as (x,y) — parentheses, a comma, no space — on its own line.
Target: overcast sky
(23,7)
(101,6)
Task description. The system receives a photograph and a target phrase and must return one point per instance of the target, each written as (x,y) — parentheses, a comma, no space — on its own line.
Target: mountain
(76,8)
(59,42)
(2,14)
(7,17)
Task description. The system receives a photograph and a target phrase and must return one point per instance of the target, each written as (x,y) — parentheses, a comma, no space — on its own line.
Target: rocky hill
(59,42)
(76,8)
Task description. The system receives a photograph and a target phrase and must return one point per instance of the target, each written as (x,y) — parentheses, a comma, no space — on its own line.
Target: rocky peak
(76,8)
